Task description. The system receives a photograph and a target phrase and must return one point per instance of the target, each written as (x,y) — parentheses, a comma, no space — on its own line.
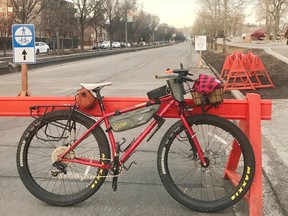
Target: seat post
(99,98)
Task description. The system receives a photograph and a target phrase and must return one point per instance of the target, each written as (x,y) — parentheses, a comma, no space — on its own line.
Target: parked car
(97,46)
(105,45)
(123,44)
(143,43)
(116,44)
(41,47)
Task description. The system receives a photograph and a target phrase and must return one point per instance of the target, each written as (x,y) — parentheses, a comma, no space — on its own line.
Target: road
(140,190)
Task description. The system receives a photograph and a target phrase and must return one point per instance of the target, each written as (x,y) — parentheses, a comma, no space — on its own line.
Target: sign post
(23,40)
(200,45)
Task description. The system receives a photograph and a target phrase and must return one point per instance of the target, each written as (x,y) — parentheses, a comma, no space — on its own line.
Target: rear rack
(39,112)
(42,110)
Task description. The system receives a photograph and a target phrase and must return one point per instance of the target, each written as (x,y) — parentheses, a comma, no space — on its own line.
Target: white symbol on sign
(23,36)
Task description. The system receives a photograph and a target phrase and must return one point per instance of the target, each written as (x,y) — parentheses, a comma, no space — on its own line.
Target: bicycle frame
(129,151)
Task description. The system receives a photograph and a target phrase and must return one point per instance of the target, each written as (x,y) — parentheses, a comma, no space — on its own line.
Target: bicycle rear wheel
(45,139)
(204,188)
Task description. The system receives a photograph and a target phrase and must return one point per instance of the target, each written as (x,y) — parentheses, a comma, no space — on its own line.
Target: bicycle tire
(43,140)
(199,188)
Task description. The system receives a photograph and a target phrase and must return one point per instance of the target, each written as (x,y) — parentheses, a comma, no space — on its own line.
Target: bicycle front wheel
(61,183)
(205,187)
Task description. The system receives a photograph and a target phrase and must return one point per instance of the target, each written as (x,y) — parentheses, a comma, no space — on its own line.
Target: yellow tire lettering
(240,190)
(246,178)
(248,170)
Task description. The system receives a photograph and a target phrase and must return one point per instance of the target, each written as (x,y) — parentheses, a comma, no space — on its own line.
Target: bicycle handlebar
(166,76)
(180,75)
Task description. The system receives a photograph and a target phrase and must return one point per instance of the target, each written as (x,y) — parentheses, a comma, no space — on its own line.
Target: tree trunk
(72,41)
(4,48)
(225,26)
(267,22)
(58,41)
(82,40)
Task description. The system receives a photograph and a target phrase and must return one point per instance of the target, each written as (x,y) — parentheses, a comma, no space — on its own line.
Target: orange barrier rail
(249,111)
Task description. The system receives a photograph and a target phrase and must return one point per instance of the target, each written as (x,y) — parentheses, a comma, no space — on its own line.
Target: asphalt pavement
(140,191)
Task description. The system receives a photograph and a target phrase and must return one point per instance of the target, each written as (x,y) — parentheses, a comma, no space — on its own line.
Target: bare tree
(145,25)
(26,10)
(5,31)
(218,15)
(60,15)
(98,19)
(6,22)
(272,11)
(112,14)
(85,9)
(210,20)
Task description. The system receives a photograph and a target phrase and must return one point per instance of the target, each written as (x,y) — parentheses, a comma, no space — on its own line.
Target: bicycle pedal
(127,168)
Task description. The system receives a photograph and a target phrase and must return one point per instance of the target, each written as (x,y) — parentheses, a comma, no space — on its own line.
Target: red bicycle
(64,156)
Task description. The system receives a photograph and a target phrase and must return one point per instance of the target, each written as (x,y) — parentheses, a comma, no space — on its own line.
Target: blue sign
(23,40)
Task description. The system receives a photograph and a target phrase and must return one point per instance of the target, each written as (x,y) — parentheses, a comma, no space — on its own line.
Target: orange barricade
(226,67)
(257,69)
(238,77)
(249,111)
(244,72)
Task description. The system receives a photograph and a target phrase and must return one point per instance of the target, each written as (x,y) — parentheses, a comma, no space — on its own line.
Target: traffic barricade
(244,72)
(237,77)
(249,112)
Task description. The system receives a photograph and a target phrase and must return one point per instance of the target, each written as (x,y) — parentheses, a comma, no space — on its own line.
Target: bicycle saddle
(96,86)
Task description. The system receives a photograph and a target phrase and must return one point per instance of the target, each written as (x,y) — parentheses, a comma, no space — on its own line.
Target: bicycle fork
(194,141)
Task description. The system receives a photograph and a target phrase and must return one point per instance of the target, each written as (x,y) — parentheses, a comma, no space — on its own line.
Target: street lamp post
(130,20)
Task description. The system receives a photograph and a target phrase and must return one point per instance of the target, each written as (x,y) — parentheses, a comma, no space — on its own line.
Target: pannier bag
(85,99)
(207,89)
(133,119)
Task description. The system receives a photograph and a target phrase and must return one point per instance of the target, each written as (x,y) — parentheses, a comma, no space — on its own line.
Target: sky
(177,13)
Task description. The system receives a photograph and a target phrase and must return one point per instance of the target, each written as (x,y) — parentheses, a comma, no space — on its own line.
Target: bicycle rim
(205,188)
(39,147)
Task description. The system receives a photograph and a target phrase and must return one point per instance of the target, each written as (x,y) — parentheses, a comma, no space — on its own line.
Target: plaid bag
(206,84)
(207,90)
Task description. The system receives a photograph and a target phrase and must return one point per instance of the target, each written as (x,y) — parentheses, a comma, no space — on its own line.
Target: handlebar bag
(207,90)
(206,84)
(85,99)
(133,119)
